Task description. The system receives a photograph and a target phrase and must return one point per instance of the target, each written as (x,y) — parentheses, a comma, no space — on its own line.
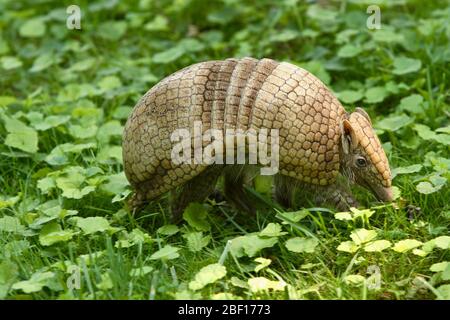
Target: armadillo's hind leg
(195,190)
(234,188)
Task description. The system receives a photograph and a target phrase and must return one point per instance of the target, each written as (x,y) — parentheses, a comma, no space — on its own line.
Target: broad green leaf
(207,275)
(122,112)
(349,51)
(196,241)
(82,65)
(298,244)
(7,100)
(443,129)
(376,95)
(377,246)
(406,245)
(284,35)
(53,233)
(195,214)
(71,185)
(112,30)
(168,230)
(169,55)
(348,246)
(8,275)
(387,35)
(191,45)
(8,201)
(294,216)
(81,132)
(442,242)
(440,266)
(319,13)
(15,248)
(424,132)
(9,63)
(393,123)
(75,91)
(140,272)
(403,65)
(406,170)
(38,122)
(250,245)
(93,224)
(59,154)
(412,103)
(272,230)
(419,252)
(426,187)
(350,96)
(109,83)
(167,252)
(115,183)
(11,224)
(32,28)
(444,291)
(263,284)
(135,237)
(159,23)
(343,216)
(446,273)
(354,280)
(396,192)
(108,130)
(225,296)
(20,135)
(364,214)
(262,263)
(37,281)
(43,62)
(105,282)
(427,134)
(360,236)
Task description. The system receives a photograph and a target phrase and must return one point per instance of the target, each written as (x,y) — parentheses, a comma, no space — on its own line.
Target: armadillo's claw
(136,203)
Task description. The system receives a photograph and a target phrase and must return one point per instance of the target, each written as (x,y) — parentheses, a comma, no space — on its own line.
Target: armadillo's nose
(384,194)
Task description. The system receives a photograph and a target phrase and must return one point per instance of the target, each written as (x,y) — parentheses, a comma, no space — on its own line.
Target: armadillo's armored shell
(234,93)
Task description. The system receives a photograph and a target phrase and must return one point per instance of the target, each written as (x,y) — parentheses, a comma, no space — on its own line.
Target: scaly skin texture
(318,139)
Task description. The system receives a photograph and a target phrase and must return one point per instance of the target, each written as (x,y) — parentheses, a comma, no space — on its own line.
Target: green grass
(62,188)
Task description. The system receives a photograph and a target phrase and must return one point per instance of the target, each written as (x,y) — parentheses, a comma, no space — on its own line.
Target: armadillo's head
(363,158)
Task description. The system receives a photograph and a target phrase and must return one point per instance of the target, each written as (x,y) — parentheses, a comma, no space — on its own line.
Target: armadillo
(322,148)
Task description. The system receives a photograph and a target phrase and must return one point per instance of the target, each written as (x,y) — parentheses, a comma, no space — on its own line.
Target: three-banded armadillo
(318,139)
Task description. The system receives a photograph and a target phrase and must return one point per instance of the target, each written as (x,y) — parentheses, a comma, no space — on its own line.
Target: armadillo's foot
(195,190)
(336,195)
(234,189)
(284,190)
(136,203)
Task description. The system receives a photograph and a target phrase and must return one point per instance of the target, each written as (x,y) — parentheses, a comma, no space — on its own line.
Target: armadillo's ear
(363,113)
(347,134)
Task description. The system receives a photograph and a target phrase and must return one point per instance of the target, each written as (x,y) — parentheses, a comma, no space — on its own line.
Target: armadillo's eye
(361,162)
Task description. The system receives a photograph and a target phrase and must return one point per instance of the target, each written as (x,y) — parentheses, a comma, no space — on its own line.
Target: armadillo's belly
(245,94)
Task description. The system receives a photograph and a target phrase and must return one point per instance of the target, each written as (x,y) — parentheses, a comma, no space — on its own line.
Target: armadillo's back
(234,93)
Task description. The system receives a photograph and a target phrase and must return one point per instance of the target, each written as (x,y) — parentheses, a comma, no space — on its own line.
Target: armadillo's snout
(384,194)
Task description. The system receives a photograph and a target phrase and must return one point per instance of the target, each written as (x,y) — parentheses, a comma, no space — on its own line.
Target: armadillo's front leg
(336,195)
(195,190)
(234,189)
(284,190)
